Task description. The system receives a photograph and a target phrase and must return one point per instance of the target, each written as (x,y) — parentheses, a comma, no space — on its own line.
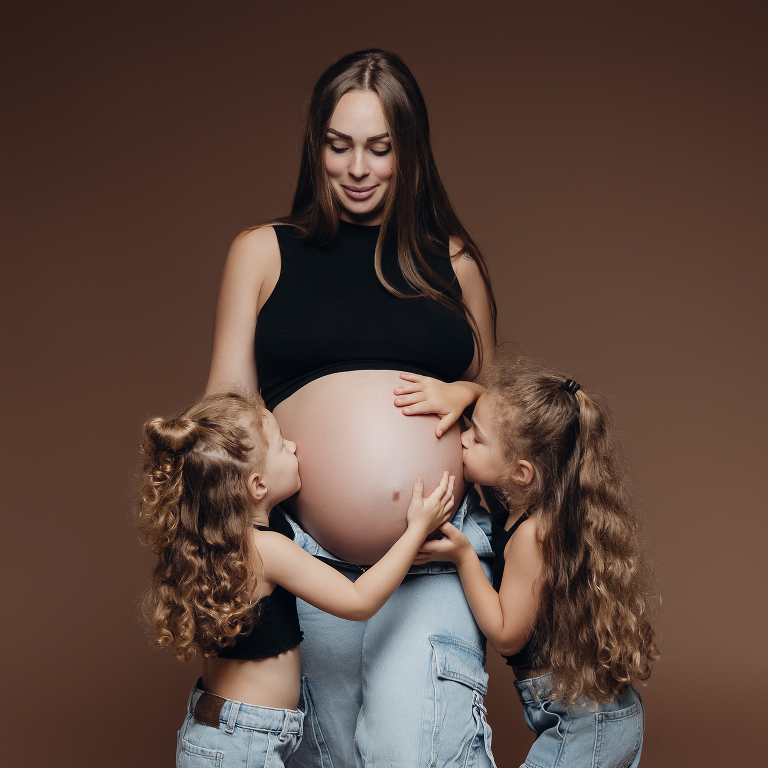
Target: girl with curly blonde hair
(228,575)
(566,607)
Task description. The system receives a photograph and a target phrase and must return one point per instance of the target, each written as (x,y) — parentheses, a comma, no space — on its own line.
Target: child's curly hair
(195,514)
(591,631)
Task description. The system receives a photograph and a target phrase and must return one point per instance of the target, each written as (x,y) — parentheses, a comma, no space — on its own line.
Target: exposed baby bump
(358,457)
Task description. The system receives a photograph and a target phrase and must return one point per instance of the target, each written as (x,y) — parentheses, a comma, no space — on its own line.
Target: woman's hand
(432,512)
(452,548)
(425,395)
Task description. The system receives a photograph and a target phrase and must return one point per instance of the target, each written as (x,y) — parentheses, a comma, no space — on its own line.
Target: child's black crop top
(276,624)
(329,313)
(525,658)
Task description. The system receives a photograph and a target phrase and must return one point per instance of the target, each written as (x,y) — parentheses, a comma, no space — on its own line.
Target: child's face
(483,453)
(281,467)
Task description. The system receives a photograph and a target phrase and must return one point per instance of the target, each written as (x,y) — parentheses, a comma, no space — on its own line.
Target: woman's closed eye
(375,152)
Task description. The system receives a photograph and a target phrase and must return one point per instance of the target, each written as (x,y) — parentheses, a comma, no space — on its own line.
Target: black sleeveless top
(276,624)
(329,313)
(525,658)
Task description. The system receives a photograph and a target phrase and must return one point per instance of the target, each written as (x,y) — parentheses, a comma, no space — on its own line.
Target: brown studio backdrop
(610,161)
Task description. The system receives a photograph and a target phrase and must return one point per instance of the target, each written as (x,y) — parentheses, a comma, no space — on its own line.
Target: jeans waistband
(470,518)
(534,689)
(215,710)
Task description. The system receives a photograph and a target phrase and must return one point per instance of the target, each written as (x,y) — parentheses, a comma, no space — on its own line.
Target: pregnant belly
(358,458)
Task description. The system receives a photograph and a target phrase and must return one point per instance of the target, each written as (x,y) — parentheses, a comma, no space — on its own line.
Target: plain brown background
(610,159)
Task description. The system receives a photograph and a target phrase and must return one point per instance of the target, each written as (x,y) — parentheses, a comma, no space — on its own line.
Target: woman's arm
(477,300)
(319,584)
(250,275)
(507,617)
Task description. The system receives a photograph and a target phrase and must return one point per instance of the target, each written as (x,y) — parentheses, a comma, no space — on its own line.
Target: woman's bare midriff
(358,457)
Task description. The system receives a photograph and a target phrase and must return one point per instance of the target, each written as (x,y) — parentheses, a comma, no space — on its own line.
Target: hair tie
(571,386)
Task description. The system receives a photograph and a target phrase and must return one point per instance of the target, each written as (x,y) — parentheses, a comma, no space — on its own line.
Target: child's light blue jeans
(236,735)
(579,737)
(405,688)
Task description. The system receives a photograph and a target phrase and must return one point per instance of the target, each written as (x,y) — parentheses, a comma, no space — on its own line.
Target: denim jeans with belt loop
(222,733)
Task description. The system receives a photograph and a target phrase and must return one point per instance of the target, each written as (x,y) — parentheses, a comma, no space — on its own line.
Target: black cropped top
(526,657)
(276,621)
(330,313)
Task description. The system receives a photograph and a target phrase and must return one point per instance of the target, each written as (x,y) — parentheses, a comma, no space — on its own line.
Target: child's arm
(319,584)
(505,618)
(425,395)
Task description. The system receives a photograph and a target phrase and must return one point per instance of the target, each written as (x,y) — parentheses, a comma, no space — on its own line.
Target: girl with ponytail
(227,576)
(566,607)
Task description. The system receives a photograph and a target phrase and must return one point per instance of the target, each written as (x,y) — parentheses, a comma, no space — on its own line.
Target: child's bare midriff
(271,682)
(358,457)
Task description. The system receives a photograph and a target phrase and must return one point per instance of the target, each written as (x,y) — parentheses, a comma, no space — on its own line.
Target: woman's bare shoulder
(253,263)
(464,265)
(255,245)
(455,247)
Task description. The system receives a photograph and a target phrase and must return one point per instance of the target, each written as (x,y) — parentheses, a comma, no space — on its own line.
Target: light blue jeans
(247,736)
(405,688)
(579,737)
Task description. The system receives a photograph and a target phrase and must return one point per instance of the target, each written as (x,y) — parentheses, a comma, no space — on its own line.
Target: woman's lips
(359,193)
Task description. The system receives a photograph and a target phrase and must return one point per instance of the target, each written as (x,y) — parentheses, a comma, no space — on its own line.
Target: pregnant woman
(371,275)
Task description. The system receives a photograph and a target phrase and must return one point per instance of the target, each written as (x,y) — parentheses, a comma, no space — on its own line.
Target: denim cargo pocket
(458,660)
(619,737)
(458,733)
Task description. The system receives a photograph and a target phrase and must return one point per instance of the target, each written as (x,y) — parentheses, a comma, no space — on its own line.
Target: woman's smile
(359,193)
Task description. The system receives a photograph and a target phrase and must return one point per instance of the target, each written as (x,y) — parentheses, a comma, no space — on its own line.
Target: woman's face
(358,157)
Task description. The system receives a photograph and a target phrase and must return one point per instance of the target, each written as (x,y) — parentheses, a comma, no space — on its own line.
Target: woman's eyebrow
(349,138)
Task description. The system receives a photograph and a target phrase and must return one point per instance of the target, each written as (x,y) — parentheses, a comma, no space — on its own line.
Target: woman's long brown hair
(195,514)
(591,631)
(418,210)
